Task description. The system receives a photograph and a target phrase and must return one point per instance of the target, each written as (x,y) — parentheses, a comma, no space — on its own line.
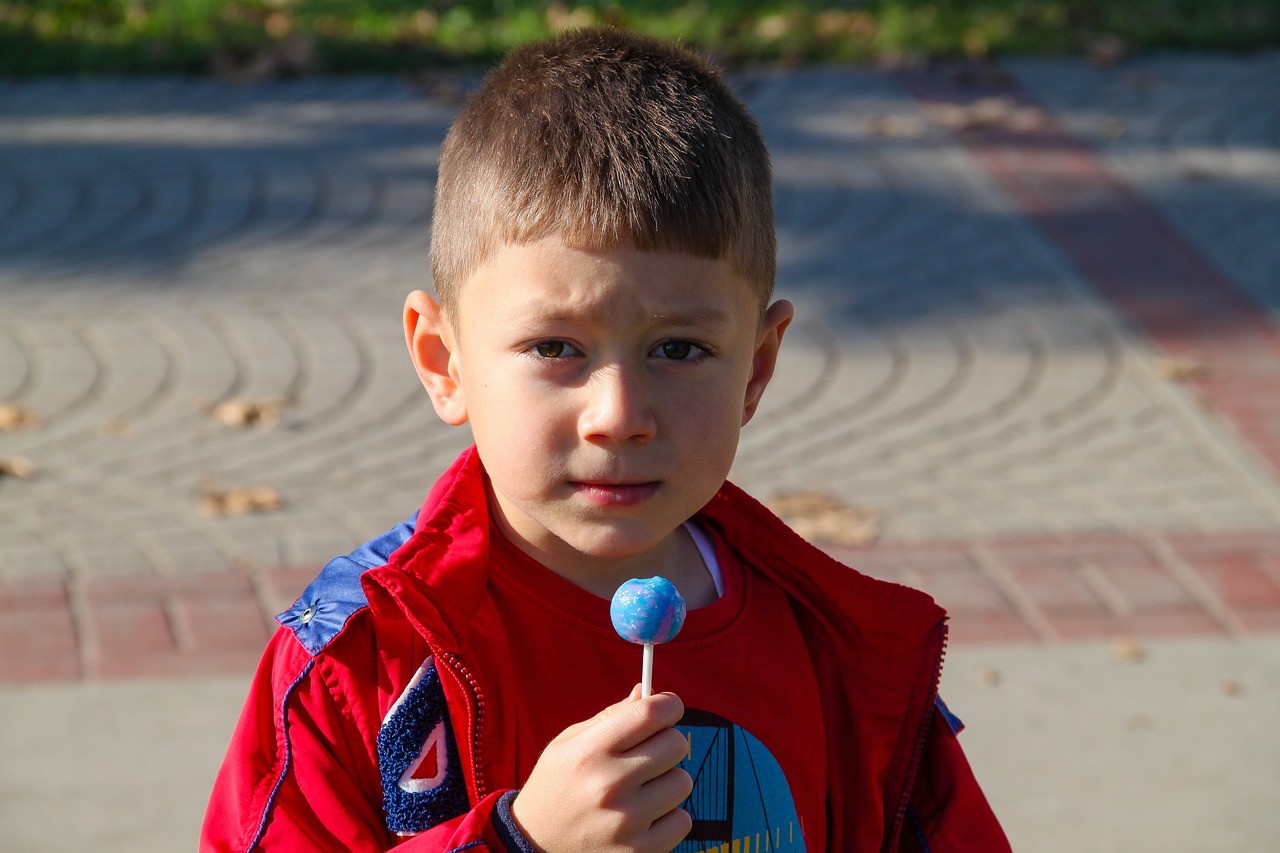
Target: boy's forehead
(549,280)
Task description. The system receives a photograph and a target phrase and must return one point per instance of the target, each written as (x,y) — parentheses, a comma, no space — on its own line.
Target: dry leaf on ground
(17,466)
(116,428)
(247,412)
(1181,369)
(217,502)
(988,113)
(1129,650)
(820,517)
(16,416)
(899,127)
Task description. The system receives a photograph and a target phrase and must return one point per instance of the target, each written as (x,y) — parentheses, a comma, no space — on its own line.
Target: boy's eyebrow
(699,316)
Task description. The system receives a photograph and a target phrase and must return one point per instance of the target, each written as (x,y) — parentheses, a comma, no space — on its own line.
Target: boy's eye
(553,349)
(678,350)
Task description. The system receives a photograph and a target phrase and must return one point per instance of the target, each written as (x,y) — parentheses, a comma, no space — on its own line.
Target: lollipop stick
(646,677)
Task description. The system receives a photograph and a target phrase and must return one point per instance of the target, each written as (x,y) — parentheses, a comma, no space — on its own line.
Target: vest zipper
(459,669)
(918,749)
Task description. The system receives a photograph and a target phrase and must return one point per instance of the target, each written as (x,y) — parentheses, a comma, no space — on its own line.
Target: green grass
(299,36)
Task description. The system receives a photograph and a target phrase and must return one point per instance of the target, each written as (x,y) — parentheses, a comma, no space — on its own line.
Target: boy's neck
(677,559)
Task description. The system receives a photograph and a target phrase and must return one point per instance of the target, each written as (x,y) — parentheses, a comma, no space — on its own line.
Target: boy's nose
(616,408)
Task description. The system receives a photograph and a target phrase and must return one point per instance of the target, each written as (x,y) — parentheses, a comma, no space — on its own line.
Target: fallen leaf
(819,517)
(988,113)
(116,428)
(247,412)
(1181,369)
(16,416)
(898,127)
(991,111)
(218,502)
(17,466)
(1129,650)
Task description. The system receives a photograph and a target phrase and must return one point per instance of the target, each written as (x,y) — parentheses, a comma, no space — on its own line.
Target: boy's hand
(611,783)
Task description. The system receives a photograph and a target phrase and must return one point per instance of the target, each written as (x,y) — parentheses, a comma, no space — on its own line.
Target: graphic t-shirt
(753,716)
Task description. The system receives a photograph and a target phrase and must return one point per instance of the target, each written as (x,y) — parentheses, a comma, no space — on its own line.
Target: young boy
(603,254)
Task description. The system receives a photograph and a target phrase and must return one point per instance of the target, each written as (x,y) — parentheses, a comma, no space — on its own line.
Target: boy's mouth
(615,494)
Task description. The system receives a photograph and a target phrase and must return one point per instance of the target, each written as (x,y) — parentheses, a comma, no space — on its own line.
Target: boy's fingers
(633,721)
(661,795)
(604,714)
(657,754)
(670,829)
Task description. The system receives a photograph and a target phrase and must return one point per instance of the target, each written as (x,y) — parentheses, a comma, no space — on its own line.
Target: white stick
(646,678)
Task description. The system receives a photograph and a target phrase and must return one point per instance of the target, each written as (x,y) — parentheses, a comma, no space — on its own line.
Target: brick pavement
(1048,590)
(1058,448)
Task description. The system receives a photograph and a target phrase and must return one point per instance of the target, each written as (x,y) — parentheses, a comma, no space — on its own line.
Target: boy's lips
(615,494)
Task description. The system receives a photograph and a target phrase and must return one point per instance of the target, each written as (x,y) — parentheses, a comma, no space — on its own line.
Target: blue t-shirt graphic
(741,802)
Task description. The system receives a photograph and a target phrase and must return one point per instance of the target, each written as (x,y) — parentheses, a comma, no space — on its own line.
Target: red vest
(302,771)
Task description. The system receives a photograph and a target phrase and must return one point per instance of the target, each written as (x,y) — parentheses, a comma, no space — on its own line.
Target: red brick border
(1025,590)
(1131,256)
(1094,587)
(141,626)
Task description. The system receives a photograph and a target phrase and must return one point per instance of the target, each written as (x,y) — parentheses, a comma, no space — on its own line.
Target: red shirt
(739,665)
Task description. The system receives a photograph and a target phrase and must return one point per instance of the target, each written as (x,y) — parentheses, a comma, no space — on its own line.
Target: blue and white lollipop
(647,611)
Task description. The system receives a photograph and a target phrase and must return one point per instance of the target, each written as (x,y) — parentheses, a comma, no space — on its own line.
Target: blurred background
(1035,369)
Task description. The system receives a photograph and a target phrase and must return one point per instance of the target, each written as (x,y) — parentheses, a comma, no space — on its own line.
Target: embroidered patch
(422,783)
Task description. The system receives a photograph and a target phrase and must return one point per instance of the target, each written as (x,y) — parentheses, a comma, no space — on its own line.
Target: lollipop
(647,611)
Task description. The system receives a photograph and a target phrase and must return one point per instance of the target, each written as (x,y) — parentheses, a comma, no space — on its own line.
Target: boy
(603,254)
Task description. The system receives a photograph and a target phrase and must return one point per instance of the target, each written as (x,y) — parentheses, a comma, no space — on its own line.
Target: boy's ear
(776,319)
(433,348)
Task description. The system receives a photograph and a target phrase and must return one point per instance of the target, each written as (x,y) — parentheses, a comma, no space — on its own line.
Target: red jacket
(315,758)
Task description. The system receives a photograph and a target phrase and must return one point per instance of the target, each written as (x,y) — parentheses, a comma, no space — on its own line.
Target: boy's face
(605,392)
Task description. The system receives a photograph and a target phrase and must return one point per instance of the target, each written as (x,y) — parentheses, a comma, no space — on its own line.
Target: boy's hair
(604,138)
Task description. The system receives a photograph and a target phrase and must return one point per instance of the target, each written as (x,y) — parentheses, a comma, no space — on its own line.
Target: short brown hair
(604,138)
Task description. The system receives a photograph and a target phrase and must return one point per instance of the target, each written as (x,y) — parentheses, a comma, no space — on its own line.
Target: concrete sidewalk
(1077,749)
(1034,371)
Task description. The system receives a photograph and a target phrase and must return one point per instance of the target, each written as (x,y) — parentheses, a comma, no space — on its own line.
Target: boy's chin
(617,541)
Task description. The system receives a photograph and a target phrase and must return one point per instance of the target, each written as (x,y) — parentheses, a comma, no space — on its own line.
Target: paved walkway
(1035,371)
(1035,356)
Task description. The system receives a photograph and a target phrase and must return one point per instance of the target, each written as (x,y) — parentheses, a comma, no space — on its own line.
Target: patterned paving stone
(169,245)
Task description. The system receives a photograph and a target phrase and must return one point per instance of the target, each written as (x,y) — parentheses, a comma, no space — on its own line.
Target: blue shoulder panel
(335,595)
(953,722)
